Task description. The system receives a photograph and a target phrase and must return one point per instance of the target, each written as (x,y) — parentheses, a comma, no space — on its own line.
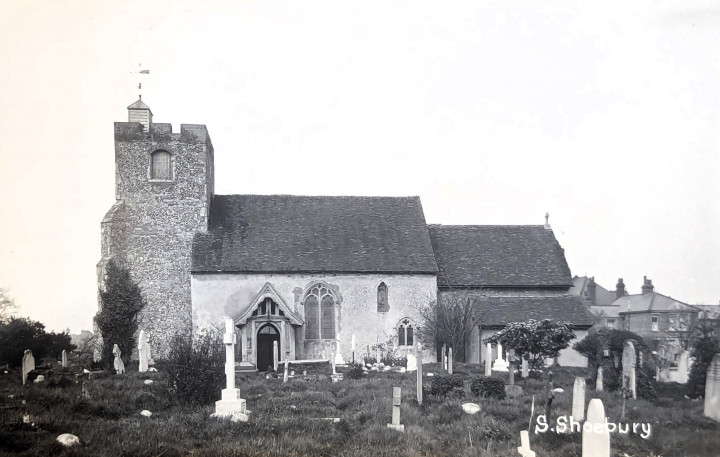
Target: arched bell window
(161,165)
(319,313)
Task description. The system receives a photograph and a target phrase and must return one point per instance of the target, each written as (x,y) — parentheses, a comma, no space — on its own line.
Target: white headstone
(339,360)
(444,357)
(396,425)
(629,362)
(712,389)
(143,352)
(578,401)
(450,361)
(418,379)
(488,360)
(411,362)
(524,448)
(682,371)
(230,404)
(63,358)
(500,363)
(28,364)
(595,434)
(118,363)
(525,368)
(599,380)
(275,356)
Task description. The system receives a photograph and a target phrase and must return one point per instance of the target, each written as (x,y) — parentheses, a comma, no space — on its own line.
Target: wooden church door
(265,338)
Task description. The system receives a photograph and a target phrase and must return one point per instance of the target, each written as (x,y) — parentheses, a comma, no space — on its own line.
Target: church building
(316,274)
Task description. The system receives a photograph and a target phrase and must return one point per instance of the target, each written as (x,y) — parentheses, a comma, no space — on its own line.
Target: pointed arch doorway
(266,335)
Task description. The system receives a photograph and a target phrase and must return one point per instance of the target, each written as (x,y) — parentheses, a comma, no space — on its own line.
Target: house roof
(709,311)
(500,310)
(652,301)
(603,297)
(289,233)
(499,255)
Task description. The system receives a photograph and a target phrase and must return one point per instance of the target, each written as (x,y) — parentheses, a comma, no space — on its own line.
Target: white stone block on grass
(68,439)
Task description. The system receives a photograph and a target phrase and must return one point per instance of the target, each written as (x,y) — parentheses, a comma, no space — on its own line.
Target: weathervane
(140,72)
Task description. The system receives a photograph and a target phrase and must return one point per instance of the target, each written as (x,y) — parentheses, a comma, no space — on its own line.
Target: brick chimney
(619,289)
(647,287)
(592,290)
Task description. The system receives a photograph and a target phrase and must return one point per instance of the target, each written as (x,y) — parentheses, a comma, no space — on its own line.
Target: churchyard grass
(288,419)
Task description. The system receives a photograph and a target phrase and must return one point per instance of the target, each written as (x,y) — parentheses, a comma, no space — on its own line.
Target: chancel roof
(499,255)
(289,233)
(500,310)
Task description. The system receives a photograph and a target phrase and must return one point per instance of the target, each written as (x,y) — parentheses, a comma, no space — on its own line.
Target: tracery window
(406,335)
(319,313)
(160,165)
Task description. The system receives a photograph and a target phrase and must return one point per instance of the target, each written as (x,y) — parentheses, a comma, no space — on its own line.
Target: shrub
(488,387)
(18,334)
(120,303)
(443,385)
(534,340)
(644,386)
(703,351)
(355,372)
(196,369)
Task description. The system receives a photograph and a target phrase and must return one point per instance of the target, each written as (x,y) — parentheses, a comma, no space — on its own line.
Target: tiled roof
(501,310)
(288,233)
(650,302)
(499,255)
(603,297)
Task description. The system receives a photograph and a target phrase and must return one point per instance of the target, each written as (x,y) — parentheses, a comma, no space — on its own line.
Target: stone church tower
(164,183)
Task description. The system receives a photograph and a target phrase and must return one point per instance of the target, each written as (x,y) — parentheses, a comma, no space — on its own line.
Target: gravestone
(419,379)
(682,371)
(444,357)
(712,389)
(500,364)
(377,354)
(396,425)
(595,434)
(511,366)
(411,362)
(578,401)
(275,357)
(628,374)
(230,403)
(63,358)
(524,448)
(352,347)
(450,361)
(599,380)
(525,368)
(28,364)
(286,370)
(339,360)
(488,360)
(118,363)
(143,352)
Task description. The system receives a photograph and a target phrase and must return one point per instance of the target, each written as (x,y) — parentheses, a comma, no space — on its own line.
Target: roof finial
(140,72)
(547,224)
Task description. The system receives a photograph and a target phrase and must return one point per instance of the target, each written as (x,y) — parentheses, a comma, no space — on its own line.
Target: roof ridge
(320,196)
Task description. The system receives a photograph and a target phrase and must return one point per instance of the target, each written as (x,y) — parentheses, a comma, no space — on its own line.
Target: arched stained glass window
(319,313)
(160,165)
(405,333)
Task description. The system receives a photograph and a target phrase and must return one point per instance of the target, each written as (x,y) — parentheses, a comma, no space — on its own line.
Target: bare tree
(7,306)
(448,320)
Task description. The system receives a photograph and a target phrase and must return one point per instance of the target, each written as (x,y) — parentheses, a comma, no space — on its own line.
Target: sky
(606,115)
